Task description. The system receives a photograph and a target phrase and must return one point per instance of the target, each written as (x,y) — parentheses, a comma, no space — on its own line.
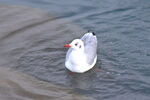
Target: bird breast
(77,57)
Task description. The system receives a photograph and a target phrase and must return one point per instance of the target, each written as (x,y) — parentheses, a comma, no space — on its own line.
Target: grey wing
(90,46)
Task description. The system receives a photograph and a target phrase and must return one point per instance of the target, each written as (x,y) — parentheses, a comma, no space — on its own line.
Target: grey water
(32,43)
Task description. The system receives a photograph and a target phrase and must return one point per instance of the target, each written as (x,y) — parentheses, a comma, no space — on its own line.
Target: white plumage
(82,54)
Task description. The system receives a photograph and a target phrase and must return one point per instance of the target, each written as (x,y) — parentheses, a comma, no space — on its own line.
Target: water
(34,45)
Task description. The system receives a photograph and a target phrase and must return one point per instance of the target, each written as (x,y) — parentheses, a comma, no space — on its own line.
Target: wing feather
(90,47)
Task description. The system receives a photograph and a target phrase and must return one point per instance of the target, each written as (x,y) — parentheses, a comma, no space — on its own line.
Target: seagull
(82,53)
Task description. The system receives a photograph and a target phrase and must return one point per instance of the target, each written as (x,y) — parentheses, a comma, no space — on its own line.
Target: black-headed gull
(82,54)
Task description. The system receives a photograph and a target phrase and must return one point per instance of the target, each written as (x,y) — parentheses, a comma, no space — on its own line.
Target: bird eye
(76,44)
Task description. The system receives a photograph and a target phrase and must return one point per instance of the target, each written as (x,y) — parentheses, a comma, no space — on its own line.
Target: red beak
(67,45)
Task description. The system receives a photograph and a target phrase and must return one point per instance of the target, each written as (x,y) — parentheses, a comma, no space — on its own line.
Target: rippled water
(34,45)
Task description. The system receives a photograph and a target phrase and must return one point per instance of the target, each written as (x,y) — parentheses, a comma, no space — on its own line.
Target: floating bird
(82,54)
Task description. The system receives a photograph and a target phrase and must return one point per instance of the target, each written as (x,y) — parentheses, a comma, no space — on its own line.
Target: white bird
(82,54)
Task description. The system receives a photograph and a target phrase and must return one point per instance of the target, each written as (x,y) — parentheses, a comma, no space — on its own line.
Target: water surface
(34,45)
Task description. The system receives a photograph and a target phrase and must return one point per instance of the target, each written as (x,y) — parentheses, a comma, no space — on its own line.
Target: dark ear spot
(80,46)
